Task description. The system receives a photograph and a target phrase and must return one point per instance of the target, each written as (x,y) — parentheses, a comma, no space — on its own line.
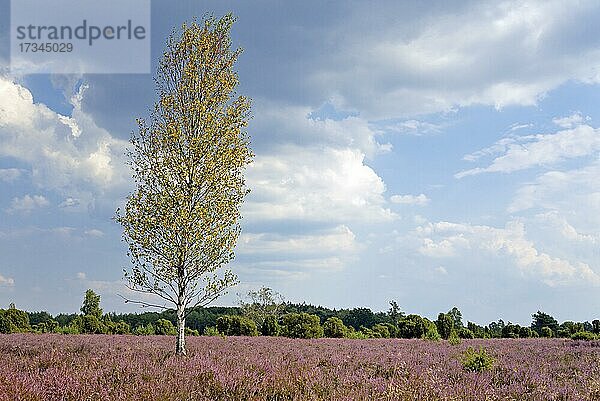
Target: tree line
(265,313)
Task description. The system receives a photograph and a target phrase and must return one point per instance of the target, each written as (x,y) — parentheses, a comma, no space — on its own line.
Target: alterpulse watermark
(80,36)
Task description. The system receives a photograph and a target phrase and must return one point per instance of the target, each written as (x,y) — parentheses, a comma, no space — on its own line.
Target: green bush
(164,327)
(465,333)
(334,328)
(445,325)
(477,361)
(236,326)
(301,325)
(454,339)
(89,324)
(381,331)
(67,330)
(270,326)
(546,332)
(584,335)
(211,331)
(355,334)
(118,327)
(431,332)
(191,332)
(144,330)
(412,326)
(13,320)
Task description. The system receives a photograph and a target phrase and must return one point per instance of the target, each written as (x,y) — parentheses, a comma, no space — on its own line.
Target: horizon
(436,154)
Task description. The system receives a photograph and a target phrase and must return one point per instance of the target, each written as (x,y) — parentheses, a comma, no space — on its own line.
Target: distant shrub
(546,332)
(164,327)
(355,334)
(67,330)
(465,333)
(191,332)
(119,327)
(445,325)
(90,324)
(13,320)
(381,331)
(412,326)
(49,326)
(147,330)
(584,335)
(454,339)
(301,325)
(477,361)
(431,332)
(211,331)
(236,326)
(334,328)
(270,326)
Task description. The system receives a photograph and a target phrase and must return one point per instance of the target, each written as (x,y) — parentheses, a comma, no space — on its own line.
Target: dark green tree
(445,325)
(541,319)
(270,326)
(13,320)
(301,325)
(412,326)
(456,316)
(596,326)
(236,326)
(334,328)
(394,313)
(91,305)
(164,327)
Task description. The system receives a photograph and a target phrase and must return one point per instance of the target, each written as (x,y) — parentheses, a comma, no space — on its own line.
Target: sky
(434,153)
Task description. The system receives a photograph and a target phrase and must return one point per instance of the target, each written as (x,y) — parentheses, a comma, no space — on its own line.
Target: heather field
(100,367)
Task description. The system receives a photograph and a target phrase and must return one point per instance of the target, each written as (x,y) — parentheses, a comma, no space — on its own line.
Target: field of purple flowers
(101,367)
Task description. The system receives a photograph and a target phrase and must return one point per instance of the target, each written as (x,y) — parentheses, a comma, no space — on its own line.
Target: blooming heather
(101,367)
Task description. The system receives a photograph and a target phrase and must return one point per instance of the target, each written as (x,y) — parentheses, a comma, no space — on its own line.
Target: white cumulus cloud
(419,200)
(27,204)
(6,281)
(538,150)
(446,239)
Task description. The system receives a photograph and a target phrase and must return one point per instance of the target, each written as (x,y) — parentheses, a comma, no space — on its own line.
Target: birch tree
(181,223)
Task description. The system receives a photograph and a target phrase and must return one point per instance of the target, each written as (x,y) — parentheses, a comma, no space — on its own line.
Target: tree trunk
(180,347)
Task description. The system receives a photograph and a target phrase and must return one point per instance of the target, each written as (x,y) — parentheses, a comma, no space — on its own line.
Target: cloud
(445,240)
(94,233)
(69,202)
(315,184)
(280,124)
(340,238)
(520,153)
(411,127)
(573,193)
(6,281)
(10,174)
(514,53)
(571,121)
(418,200)
(65,154)
(27,204)
(560,224)
(441,270)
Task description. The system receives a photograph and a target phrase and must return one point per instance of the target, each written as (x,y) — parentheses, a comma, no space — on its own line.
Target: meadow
(104,367)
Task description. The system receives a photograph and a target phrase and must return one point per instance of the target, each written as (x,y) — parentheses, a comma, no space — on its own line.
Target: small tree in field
(91,304)
(182,222)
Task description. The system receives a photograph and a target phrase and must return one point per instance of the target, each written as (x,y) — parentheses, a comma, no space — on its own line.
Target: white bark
(180,348)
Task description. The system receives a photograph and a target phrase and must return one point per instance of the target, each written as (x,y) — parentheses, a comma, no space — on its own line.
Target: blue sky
(440,154)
